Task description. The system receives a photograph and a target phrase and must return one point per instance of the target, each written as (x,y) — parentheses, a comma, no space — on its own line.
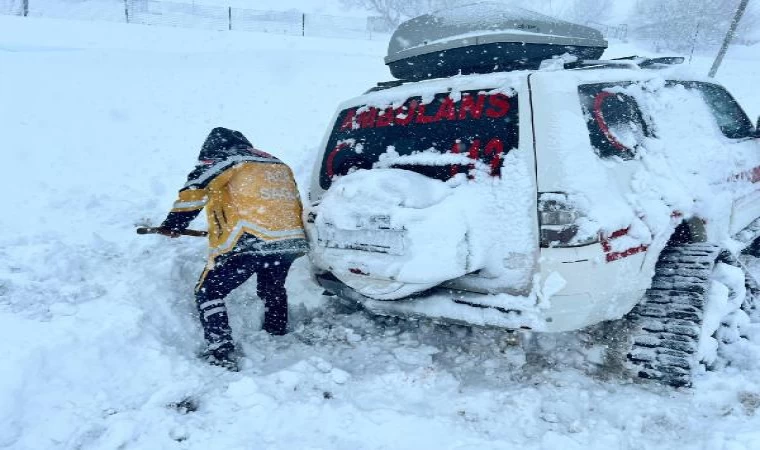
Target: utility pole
(729,38)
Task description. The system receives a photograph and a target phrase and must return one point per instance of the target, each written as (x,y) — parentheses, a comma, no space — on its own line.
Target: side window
(615,123)
(731,119)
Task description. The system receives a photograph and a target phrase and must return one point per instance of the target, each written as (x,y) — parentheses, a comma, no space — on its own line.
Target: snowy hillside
(101,123)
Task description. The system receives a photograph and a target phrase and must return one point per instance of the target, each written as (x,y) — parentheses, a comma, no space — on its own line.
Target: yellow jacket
(252,205)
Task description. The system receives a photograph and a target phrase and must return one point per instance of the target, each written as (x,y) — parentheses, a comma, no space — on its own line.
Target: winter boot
(754,249)
(222,355)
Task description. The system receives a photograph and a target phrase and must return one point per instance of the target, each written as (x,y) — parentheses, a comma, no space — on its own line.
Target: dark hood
(223,143)
(223,149)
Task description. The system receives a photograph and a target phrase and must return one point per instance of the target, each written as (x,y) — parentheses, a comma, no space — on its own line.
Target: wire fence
(611,31)
(193,15)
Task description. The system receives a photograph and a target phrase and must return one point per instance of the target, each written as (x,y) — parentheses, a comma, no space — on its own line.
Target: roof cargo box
(482,38)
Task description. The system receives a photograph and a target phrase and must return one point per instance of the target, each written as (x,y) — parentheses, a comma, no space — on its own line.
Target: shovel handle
(158,230)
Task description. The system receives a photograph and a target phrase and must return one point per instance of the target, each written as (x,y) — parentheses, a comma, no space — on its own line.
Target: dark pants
(230,272)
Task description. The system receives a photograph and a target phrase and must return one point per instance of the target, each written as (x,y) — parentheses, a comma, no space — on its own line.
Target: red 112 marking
(493,149)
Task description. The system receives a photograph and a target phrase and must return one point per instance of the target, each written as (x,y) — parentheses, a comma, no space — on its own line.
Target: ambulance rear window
(451,134)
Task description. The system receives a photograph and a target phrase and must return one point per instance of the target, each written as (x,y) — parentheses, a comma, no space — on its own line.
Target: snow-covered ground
(101,122)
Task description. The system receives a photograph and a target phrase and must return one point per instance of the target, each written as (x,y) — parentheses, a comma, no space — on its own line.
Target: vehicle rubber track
(667,323)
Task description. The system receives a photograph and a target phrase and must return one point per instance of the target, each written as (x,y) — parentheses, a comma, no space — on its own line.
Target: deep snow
(100,124)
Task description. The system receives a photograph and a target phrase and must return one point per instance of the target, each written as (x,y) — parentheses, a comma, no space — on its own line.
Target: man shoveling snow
(254,218)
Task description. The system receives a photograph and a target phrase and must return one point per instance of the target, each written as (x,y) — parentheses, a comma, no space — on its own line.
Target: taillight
(559,222)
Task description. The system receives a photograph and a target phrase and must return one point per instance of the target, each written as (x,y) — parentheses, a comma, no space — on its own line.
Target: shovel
(165,232)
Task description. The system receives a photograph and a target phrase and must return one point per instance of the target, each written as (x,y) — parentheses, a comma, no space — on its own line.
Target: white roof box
(482,38)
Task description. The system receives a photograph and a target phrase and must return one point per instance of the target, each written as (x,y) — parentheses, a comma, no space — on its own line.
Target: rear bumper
(447,306)
(594,291)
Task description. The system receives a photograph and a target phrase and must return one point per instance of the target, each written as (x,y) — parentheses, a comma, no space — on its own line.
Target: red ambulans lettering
(470,107)
(367,118)
(447,110)
(348,122)
(498,106)
(385,118)
(404,116)
(422,118)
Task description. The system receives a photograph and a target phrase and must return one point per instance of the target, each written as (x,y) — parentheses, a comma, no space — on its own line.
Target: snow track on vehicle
(692,311)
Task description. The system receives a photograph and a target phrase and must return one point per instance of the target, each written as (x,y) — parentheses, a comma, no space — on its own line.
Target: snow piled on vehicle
(442,230)
(404,204)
